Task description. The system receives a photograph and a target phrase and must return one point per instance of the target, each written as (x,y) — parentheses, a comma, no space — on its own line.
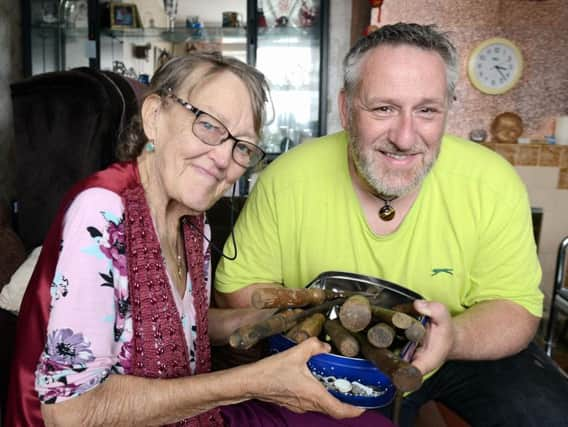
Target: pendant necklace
(387,211)
(179,267)
(179,260)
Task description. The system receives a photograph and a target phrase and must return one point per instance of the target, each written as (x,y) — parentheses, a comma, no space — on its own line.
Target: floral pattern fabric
(90,325)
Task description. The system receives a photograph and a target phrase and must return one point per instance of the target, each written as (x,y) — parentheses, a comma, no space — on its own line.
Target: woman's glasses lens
(212,132)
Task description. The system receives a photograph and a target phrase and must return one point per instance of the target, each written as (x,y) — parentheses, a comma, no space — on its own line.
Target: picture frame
(123,16)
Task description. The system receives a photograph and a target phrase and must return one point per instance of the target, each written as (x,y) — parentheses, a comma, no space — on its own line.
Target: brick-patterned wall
(539,28)
(542,155)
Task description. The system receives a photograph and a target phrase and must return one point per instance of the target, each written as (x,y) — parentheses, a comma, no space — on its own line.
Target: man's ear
(343,110)
(150,113)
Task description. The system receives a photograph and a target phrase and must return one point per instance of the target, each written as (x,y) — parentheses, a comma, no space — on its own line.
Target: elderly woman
(115,326)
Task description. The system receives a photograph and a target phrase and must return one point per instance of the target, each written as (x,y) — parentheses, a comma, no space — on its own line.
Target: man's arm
(240,298)
(126,400)
(486,331)
(224,321)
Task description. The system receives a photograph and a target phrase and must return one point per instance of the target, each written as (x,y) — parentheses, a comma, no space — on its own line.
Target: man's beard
(390,183)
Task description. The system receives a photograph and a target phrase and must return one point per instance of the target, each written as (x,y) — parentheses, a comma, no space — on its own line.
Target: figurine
(307,14)
(506,128)
(478,135)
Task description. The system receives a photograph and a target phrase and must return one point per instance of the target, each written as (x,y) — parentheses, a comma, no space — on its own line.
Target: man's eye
(383,109)
(428,112)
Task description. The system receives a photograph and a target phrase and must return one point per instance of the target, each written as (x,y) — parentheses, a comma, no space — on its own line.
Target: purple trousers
(254,413)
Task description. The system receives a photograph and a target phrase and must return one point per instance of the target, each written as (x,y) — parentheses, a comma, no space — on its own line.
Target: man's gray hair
(425,37)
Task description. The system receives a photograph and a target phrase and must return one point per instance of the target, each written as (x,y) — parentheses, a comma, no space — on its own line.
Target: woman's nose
(222,154)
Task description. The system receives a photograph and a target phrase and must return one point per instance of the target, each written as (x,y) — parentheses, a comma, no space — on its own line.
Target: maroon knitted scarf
(158,344)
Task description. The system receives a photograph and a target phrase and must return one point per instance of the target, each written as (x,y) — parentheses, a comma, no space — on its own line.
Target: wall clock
(495,66)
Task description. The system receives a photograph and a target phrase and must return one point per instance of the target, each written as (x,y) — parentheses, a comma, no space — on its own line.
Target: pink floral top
(90,326)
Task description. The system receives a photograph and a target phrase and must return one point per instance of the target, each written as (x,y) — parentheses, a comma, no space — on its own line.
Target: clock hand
(498,68)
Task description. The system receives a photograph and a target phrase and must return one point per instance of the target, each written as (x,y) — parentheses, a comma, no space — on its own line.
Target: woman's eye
(243,149)
(207,126)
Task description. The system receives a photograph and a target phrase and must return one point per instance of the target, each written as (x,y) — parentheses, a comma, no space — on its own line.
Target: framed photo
(124,16)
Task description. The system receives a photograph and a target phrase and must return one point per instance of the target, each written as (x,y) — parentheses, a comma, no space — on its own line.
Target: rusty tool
(404,376)
(415,332)
(392,317)
(406,308)
(355,313)
(346,344)
(248,335)
(403,317)
(277,297)
(309,327)
(381,335)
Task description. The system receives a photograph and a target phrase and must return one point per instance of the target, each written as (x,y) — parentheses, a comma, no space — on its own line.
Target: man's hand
(488,330)
(439,338)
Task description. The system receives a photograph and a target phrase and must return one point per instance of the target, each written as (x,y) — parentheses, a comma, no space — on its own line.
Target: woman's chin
(197,206)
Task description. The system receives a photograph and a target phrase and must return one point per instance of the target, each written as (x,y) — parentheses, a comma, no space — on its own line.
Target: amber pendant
(386,213)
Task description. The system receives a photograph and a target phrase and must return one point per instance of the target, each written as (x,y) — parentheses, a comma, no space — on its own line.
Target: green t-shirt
(467,238)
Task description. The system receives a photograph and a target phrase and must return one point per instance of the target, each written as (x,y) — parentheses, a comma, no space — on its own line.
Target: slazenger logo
(448,271)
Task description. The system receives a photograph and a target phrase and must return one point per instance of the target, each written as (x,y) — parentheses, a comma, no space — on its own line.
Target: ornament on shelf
(282,11)
(506,128)
(375,17)
(307,14)
(171,9)
(478,135)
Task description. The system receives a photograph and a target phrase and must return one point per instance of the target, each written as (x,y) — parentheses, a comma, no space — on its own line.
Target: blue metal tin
(378,389)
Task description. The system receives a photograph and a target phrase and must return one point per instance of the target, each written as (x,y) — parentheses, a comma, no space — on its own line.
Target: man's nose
(403,132)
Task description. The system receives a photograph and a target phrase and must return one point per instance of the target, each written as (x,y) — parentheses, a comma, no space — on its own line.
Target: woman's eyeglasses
(211,131)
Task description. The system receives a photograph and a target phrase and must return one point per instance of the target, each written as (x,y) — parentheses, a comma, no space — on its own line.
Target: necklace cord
(232,222)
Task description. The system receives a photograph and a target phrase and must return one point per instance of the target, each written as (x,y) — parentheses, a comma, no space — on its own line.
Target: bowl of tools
(369,322)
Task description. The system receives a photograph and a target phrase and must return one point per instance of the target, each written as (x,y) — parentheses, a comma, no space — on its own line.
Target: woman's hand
(285,379)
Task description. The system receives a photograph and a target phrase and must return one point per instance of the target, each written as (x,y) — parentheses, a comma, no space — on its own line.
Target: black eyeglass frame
(197,112)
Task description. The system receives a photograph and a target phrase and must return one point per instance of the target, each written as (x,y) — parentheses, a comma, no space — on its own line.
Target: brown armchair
(11,256)
(66,127)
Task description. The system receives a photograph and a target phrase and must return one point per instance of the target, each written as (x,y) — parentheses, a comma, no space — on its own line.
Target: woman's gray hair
(425,37)
(197,68)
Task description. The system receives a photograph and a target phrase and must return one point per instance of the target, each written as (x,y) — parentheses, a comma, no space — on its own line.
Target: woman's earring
(150,147)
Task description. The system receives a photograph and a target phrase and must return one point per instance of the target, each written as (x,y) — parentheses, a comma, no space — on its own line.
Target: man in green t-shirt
(392,197)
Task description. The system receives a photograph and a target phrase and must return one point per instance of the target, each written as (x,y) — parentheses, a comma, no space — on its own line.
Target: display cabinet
(291,50)
(56,35)
(285,39)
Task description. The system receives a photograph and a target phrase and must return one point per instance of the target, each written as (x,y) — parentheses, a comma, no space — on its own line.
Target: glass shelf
(279,33)
(48,30)
(178,35)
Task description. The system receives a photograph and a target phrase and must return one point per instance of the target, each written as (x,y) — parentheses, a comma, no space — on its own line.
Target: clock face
(495,66)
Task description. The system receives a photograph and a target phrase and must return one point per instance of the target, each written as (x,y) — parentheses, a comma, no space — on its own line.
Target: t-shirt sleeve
(259,257)
(507,265)
(86,338)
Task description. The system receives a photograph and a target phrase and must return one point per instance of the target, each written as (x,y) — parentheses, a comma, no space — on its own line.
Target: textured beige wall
(339,43)
(543,191)
(539,28)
